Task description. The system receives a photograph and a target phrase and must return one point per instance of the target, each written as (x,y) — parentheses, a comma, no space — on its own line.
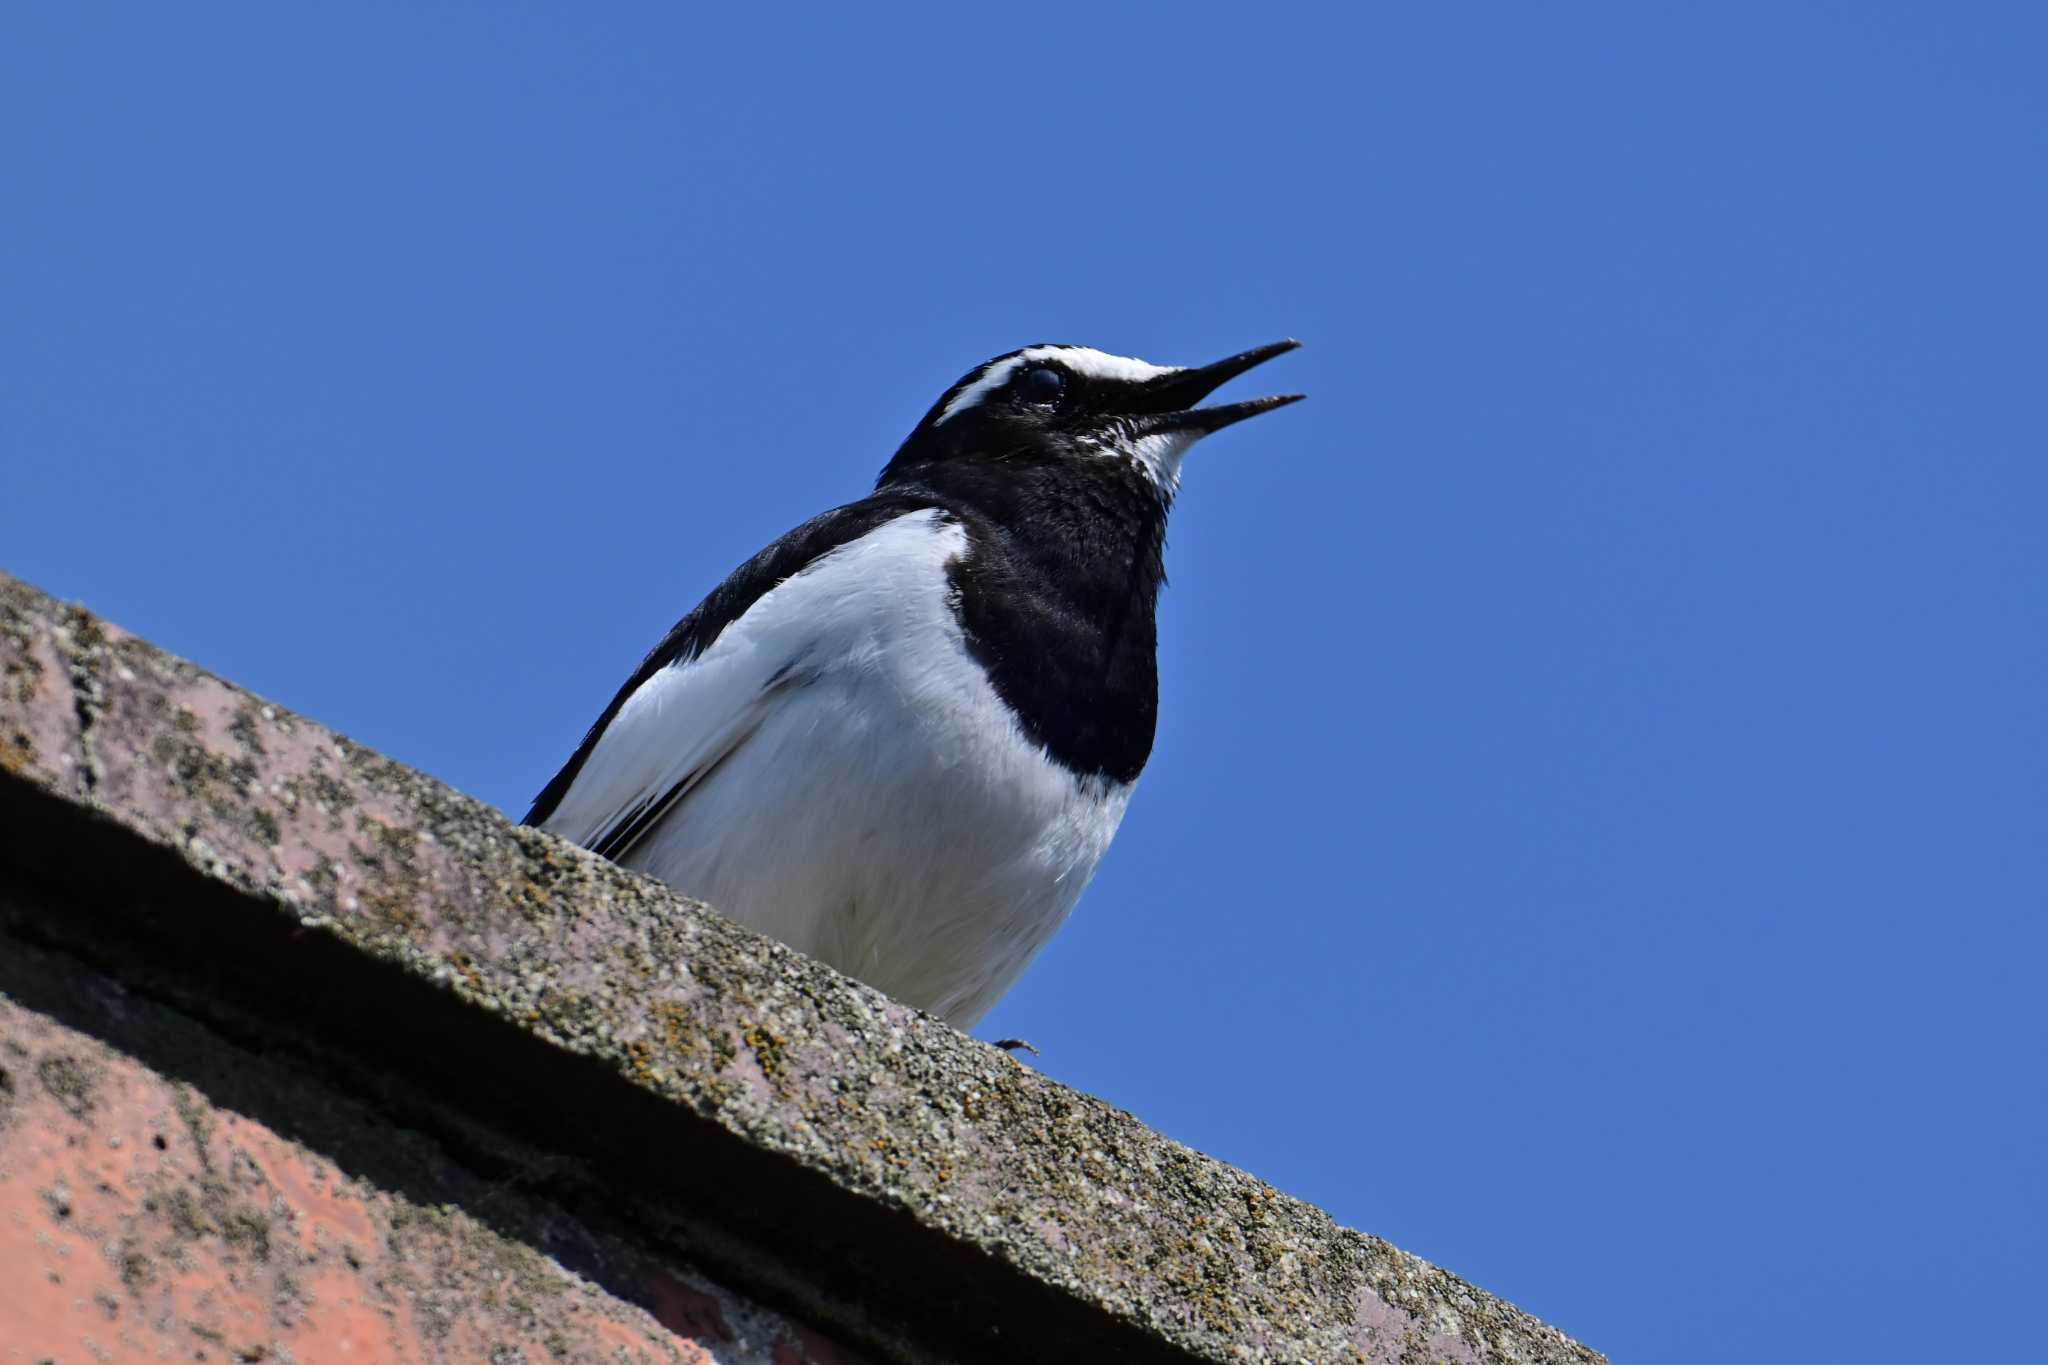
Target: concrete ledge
(582,1032)
(168,1196)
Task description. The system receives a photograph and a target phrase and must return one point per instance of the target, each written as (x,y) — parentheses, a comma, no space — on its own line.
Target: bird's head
(1070,407)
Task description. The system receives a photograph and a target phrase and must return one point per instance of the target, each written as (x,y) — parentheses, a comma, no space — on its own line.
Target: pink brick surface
(139,1221)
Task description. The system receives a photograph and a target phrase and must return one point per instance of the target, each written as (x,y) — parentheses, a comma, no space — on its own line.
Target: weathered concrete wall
(149,1218)
(655,1086)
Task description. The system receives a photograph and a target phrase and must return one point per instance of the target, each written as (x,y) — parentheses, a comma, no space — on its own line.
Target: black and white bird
(901,737)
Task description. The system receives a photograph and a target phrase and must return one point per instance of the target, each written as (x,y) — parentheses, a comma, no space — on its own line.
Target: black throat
(1056,594)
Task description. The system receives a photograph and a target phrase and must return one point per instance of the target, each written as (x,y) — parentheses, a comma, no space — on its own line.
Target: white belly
(890,841)
(885,813)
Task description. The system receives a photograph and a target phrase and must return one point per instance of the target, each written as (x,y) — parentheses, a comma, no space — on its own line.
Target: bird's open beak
(1169,401)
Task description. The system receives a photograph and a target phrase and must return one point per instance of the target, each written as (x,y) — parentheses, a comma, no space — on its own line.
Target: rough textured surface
(143,1218)
(808,1140)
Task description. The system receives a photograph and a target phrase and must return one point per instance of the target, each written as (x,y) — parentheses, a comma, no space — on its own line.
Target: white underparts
(854,786)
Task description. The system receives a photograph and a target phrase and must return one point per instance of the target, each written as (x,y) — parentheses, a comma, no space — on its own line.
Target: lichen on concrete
(732,1043)
(147,1218)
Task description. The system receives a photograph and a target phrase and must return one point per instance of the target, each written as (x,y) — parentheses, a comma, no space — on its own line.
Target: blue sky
(1598,837)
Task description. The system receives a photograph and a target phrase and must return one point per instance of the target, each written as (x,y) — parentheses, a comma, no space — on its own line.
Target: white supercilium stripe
(1081,360)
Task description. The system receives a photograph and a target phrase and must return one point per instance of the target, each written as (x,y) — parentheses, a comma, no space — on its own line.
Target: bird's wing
(704,689)
(671,734)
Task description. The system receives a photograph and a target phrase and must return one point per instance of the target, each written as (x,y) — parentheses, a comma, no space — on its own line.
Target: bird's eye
(1041,384)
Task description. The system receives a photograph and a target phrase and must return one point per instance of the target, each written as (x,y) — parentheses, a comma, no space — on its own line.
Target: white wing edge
(696,712)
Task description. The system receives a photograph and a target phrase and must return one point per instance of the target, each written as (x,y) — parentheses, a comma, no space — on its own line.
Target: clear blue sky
(1598,837)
